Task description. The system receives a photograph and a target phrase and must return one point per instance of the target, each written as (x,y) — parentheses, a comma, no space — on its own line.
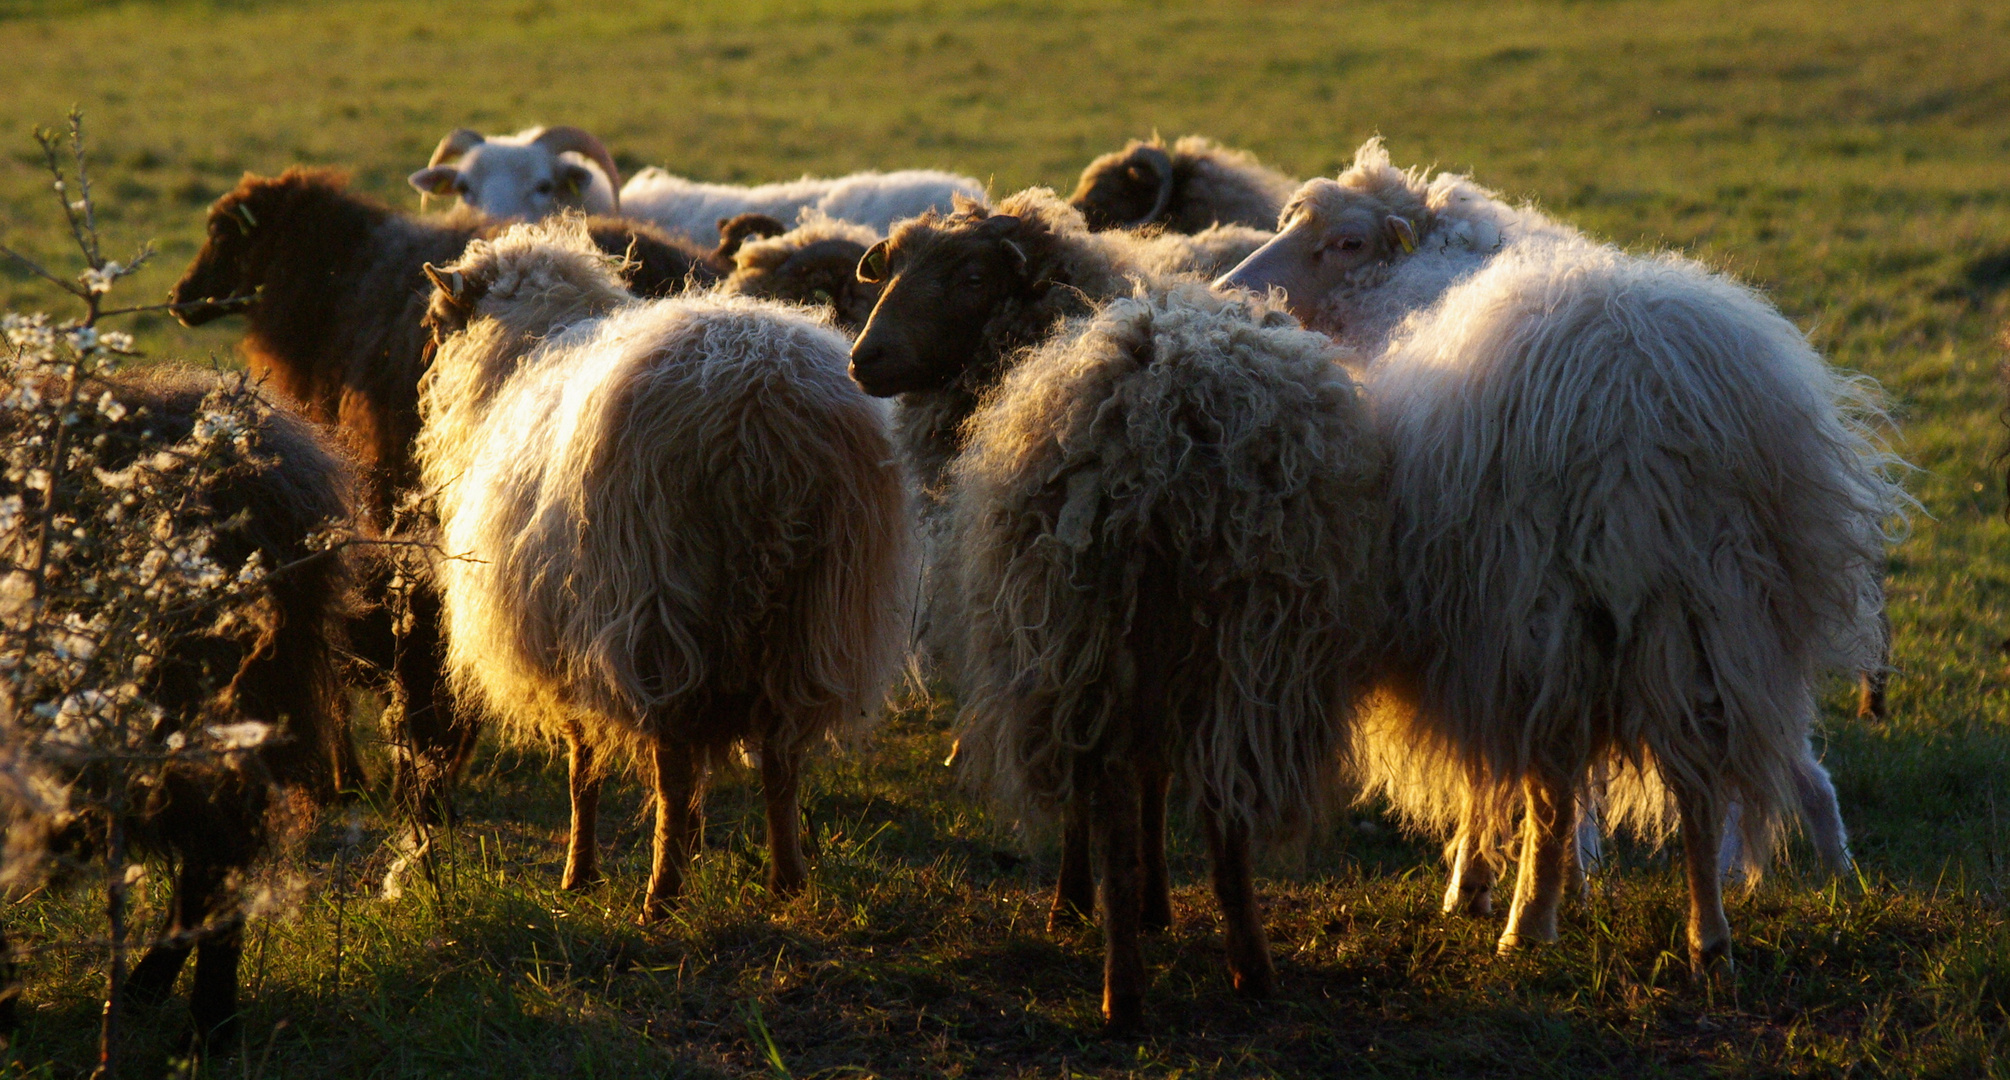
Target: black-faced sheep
(527,176)
(1194,184)
(875,200)
(1636,515)
(689,525)
(333,290)
(271,660)
(1166,526)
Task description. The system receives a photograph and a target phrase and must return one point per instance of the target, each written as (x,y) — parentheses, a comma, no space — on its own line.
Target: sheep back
(1197,470)
(1635,515)
(876,200)
(689,521)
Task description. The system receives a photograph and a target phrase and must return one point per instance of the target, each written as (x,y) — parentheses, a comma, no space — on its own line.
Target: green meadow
(1852,160)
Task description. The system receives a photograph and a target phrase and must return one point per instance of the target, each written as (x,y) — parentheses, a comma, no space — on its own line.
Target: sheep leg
(10,989)
(153,978)
(434,738)
(1113,814)
(1702,832)
(1248,948)
(1870,700)
(1817,796)
(582,847)
(1156,913)
(781,778)
(1075,891)
(678,791)
(212,1001)
(1549,825)
(1471,889)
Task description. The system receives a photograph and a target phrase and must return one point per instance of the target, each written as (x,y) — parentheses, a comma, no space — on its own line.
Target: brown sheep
(1185,188)
(1166,513)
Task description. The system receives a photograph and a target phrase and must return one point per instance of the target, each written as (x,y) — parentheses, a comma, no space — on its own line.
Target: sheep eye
(544,187)
(1351,243)
(974,278)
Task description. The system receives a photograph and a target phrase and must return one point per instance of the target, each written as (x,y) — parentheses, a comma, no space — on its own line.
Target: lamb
(526,176)
(1636,515)
(876,200)
(689,524)
(1164,534)
(331,285)
(1195,184)
(275,660)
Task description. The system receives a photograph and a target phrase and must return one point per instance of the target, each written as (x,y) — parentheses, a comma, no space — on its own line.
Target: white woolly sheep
(1165,542)
(526,176)
(873,199)
(686,529)
(1635,516)
(1195,184)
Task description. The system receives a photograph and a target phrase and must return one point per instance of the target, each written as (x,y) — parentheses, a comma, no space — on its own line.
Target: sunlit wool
(1204,450)
(664,504)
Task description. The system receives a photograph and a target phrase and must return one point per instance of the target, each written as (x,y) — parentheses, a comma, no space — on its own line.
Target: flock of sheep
(1421,495)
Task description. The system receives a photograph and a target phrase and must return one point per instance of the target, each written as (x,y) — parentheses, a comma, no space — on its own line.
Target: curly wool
(1186,454)
(1635,516)
(674,505)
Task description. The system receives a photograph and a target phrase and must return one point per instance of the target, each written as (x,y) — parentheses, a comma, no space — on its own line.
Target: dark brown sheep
(815,263)
(331,285)
(276,661)
(1095,595)
(1186,187)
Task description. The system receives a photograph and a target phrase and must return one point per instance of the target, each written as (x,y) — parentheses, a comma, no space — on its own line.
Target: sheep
(274,658)
(815,263)
(1164,531)
(1195,184)
(1636,514)
(330,283)
(526,176)
(689,529)
(876,200)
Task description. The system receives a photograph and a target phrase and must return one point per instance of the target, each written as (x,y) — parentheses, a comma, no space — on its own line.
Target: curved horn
(1162,166)
(458,141)
(565,138)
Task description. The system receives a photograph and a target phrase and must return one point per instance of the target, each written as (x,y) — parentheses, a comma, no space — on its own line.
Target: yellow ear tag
(1409,245)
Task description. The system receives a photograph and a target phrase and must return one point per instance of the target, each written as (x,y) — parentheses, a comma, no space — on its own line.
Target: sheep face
(521,182)
(943,281)
(1128,188)
(245,226)
(526,176)
(1334,240)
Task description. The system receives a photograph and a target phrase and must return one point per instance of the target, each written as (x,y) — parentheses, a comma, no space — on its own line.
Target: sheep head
(246,228)
(815,264)
(1126,189)
(523,176)
(531,279)
(1338,237)
(945,283)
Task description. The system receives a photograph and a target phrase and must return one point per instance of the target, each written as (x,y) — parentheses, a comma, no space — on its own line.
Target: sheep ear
(1152,169)
(872,265)
(1402,232)
(437,180)
(450,285)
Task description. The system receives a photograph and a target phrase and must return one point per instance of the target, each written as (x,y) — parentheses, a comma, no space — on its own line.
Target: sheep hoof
(1477,902)
(1064,917)
(579,882)
(1123,1014)
(1711,963)
(1257,983)
(1514,940)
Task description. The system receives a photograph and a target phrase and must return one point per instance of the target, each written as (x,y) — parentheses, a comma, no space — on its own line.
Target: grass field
(1854,163)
